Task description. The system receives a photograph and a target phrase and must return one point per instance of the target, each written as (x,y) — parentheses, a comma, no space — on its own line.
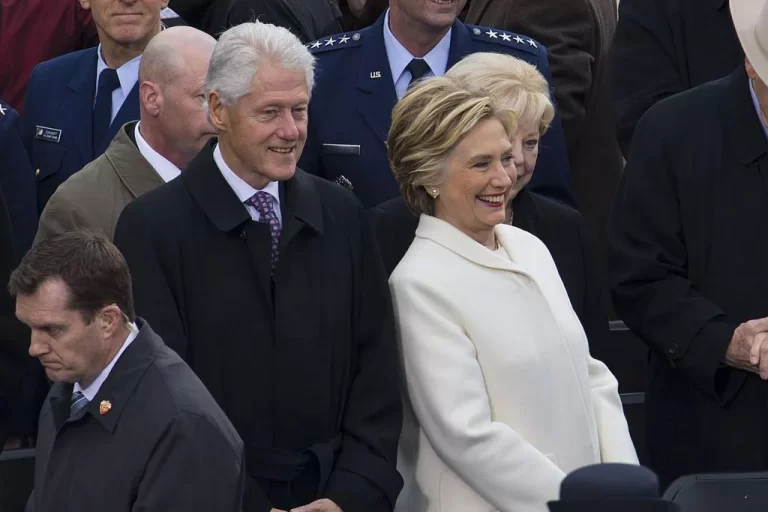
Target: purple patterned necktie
(262,201)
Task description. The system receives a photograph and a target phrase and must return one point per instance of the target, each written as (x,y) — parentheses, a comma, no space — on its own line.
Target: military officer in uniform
(17,181)
(76,103)
(362,74)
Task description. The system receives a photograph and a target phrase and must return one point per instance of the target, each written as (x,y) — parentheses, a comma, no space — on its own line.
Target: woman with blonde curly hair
(503,396)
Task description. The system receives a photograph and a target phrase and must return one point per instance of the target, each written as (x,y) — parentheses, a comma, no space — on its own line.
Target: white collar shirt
(399,58)
(159,163)
(244,191)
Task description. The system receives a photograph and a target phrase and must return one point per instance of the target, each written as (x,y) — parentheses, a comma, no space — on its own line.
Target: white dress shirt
(399,58)
(159,163)
(128,74)
(91,391)
(244,191)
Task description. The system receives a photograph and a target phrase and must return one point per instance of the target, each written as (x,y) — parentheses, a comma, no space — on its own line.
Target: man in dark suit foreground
(688,264)
(268,282)
(126,426)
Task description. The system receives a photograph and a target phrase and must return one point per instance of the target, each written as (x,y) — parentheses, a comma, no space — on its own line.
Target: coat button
(673,348)
(243,235)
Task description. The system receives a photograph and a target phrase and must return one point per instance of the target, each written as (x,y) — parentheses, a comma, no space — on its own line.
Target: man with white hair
(143,155)
(269,282)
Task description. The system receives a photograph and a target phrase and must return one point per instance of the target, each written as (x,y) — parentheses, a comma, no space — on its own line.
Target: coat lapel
(444,234)
(377,96)
(138,176)
(82,89)
(744,129)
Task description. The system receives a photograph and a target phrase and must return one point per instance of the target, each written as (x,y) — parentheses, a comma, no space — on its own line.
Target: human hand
(323,505)
(748,349)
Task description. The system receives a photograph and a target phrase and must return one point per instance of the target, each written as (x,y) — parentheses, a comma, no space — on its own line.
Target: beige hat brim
(746,16)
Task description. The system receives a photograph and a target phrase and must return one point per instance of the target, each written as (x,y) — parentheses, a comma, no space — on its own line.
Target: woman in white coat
(503,396)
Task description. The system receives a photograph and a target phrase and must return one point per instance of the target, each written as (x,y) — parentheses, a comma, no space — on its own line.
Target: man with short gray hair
(269,281)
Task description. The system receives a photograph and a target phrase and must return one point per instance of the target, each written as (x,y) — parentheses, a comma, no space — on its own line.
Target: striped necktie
(78,402)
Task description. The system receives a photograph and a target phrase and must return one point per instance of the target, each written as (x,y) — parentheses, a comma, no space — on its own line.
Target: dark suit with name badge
(352,102)
(57,125)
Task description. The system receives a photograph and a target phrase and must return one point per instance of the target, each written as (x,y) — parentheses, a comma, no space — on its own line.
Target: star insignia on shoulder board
(316,44)
(492,34)
(343,39)
(506,37)
(3,110)
(329,42)
(519,39)
(532,43)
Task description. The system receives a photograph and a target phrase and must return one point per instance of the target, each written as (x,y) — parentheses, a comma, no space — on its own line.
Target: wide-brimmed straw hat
(750,17)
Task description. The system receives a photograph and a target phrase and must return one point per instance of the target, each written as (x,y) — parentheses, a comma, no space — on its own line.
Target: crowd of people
(360,255)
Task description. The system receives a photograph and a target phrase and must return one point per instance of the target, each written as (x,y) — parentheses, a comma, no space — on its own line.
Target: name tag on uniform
(49,134)
(341,149)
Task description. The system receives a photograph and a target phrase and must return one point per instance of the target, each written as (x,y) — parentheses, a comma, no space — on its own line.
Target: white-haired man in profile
(270,283)
(144,154)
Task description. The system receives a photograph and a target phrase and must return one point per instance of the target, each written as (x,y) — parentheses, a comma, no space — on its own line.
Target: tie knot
(262,201)
(108,80)
(418,68)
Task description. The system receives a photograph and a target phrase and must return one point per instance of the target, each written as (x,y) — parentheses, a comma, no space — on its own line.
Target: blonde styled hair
(517,85)
(427,123)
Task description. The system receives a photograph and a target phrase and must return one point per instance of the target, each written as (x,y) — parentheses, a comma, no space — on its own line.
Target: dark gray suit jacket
(162,444)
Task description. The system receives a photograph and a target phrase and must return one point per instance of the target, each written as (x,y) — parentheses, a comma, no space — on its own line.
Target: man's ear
(218,112)
(85,4)
(151,98)
(110,319)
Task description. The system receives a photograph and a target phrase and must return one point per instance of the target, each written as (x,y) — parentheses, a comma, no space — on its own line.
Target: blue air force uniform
(351,106)
(57,124)
(17,181)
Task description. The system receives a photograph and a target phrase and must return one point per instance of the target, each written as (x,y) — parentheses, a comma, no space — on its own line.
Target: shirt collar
(91,391)
(756,102)
(128,73)
(242,190)
(399,57)
(159,163)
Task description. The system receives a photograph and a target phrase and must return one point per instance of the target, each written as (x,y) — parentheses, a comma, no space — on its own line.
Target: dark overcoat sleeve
(365,475)
(154,273)
(193,467)
(643,64)
(650,285)
(276,12)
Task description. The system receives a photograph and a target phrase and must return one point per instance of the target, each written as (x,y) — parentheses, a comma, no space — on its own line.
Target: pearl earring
(433,192)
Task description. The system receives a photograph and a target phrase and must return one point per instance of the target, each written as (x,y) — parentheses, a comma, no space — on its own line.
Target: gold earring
(433,192)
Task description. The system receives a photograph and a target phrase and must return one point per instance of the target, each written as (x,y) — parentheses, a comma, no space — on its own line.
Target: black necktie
(102,112)
(418,68)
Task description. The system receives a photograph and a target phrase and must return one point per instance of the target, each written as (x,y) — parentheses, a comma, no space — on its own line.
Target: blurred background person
(519,87)
(17,181)
(76,103)
(14,359)
(505,399)
(277,245)
(578,37)
(34,31)
(663,47)
(127,425)
(688,264)
(361,76)
(173,129)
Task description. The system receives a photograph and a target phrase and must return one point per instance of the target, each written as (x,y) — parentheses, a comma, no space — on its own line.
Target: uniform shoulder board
(504,38)
(334,42)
